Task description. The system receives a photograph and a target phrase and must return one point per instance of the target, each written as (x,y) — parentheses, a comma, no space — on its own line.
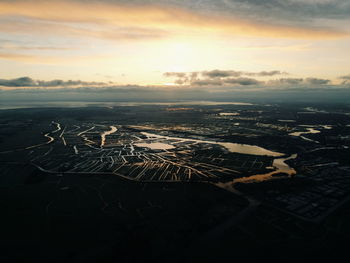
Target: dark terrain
(158,183)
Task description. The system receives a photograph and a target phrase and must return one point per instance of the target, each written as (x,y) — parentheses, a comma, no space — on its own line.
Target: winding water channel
(279,164)
(232,147)
(112,130)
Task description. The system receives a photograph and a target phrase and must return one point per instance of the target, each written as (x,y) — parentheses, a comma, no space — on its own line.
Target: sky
(208,46)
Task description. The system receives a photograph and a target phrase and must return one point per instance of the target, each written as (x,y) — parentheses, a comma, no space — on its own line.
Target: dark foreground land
(159,184)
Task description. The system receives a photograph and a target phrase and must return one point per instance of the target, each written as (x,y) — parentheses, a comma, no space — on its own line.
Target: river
(112,130)
(232,147)
(280,166)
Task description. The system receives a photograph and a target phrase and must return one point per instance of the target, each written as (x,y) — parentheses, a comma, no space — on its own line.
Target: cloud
(284,10)
(175,74)
(287,9)
(221,73)
(17,57)
(140,21)
(10,45)
(207,82)
(115,93)
(211,89)
(29,82)
(299,81)
(49,60)
(19,82)
(242,81)
(184,80)
(149,19)
(288,81)
(346,77)
(220,77)
(288,47)
(266,73)
(36,26)
(316,81)
(225,81)
(232,73)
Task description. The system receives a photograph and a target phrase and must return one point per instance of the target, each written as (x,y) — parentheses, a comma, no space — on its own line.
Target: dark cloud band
(29,82)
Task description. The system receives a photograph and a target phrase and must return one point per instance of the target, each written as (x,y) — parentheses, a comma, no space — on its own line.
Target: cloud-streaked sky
(150,43)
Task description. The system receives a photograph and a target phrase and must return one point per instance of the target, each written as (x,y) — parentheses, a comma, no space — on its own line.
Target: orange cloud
(154,18)
(49,60)
(17,57)
(39,27)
